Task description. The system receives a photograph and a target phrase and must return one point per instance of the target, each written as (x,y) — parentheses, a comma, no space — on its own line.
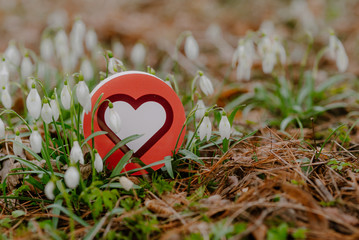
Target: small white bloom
(6,98)
(66,97)
(61,44)
(114,120)
(55,109)
(76,153)
(72,177)
(114,65)
(337,52)
(87,70)
(83,96)
(266,51)
(76,38)
(201,110)
(206,85)
(12,54)
(191,48)
(138,54)
(91,40)
(35,141)
(26,67)
(46,49)
(17,148)
(33,103)
(118,49)
(244,56)
(224,127)
(98,163)
(49,190)
(46,112)
(4,74)
(205,129)
(2,129)
(126,183)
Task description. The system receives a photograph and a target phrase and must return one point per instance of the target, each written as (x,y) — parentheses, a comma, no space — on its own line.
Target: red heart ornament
(147,106)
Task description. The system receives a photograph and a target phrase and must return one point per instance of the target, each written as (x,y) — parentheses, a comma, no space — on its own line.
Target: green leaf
(17,213)
(233,114)
(121,164)
(169,166)
(120,144)
(56,211)
(285,122)
(97,207)
(70,214)
(93,135)
(190,155)
(117,185)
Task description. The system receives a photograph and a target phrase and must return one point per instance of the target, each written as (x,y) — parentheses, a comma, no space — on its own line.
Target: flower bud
(76,153)
(205,129)
(98,162)
(26,67)
(191,48)
(87,70)
(16,147)
(55,109)
(12,55)
(35,141)
(72,177)
(2,129)
(91,40)
(83,96)
(205,84)
(66,97)
(138,54)
(33,103)
(114,120)
(118,49)
(114,65)
(61,44)
(224,127)
(49,190)
(4,74)
(126,183)
(200,110)
(6,98)
(46,112)
(46,49)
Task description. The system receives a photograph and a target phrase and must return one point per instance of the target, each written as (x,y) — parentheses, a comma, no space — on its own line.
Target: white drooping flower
(114,120)
(4,74)
(76,153)
(126,183)
(55,109)
(224,127)
(77,37)
(17,148)
(114,65)
(26,67)
(244,57)
(2,129)
(12,55)
(337,52)
(35,141)
(49,190)
(66,96)
(33,102)
(6,98)
(269,49)
(118,49)
(201,110)
(138,54)
(83,96)
(205,84)
(46,112)
(98,162)
(191,48)
(87,70)
(72,177)
(205,129)
(91,40)
(46,49)
(61,44)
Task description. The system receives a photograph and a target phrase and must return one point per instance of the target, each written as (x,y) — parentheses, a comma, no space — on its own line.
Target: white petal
(66,97)
(206,85)
(16,147)
(87,70)
(224,128)
(2,129)
(46,113)
(49,190)
(191,48)
(33,103)
(138,54)
(36,141)
(6,99)
(55,109)
(98,163)
(72,177)
(126,183)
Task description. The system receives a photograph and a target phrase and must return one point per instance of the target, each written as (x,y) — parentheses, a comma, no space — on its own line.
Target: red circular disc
(147,106)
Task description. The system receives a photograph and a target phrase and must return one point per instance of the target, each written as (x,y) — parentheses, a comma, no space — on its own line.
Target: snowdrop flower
(114,65)
(2,129)
(76,153)
(191,48)
(91,40)
(46,49)
(201,110)
(138,54)
(66,96)
(224,127)
(205,129)
(337,52)
(61,44)
(244,56)
(83,95)
(12,54)
(6,98)
(87,70)
(266,51)
(4,74)
(72,177)
(35,141)
(77,36)
(46,111)
(26,67)
(126,183)
(54,108)
(49,190)
(118,49)
(205,84)
(33,103)
(279,50)
(16,147)
(98,162)
(114,119)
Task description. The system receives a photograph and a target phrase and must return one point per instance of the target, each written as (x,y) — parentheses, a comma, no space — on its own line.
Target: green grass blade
(121,164)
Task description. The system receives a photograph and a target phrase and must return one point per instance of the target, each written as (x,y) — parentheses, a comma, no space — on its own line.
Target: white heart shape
(146,120)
